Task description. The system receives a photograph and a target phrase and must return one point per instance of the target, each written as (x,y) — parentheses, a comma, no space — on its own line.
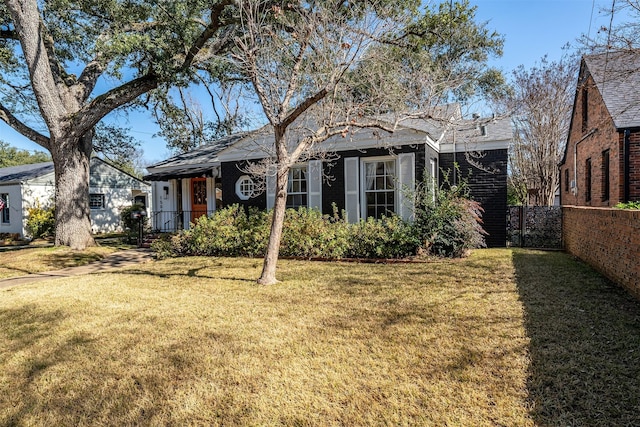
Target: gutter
(627,143)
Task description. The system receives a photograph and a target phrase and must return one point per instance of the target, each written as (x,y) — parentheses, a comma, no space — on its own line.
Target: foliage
(232,231)
(40,220)
(387,237)
(540,102)
(132,225)
(447,222)
(12,156)
(628,205)
(309,234)
(119,148)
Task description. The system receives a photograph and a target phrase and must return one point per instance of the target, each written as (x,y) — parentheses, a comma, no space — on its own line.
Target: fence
(172,221)
(535,227)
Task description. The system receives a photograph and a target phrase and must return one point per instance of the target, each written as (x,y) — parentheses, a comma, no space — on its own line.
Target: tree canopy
(12,156)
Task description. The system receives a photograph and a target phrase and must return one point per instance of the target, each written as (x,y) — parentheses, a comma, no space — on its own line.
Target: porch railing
(172,221)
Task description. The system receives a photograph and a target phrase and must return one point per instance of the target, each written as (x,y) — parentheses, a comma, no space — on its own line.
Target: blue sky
(532,29)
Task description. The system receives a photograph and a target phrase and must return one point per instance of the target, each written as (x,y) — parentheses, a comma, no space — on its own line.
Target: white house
(110,190)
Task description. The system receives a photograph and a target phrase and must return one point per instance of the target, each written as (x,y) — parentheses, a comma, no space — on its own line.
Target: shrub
(628,205)
(228,232)
(41,221)
(387,237)
(307,233)
(132,225)
(447,222)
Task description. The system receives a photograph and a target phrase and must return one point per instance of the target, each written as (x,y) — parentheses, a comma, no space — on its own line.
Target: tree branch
(92,113)
(7,117)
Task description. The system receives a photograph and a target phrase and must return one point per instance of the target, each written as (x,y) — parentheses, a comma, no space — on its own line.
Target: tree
(321,69)
(53,55)
(118,147)
(12,156)
(541,101)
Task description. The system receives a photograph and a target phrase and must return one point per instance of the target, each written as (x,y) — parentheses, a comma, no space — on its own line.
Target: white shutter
(314,184)
(406,185)
(271,187)
(352,188)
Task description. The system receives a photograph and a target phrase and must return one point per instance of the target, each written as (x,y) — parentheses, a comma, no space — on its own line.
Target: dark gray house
(365,173)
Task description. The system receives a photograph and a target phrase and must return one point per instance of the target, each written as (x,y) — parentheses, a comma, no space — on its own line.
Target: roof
(23,173)
(204,154)
(617,77)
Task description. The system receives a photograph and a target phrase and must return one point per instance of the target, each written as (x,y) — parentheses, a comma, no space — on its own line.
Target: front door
(198,197)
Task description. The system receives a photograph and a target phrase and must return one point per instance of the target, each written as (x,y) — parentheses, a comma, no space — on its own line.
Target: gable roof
(617,77)
(23,173)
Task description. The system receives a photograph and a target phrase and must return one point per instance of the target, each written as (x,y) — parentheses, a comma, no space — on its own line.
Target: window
(297,187)
(379,191)
(4,203)
(587,178)
(96,201)
(566,180)
(245,187)
(605,175)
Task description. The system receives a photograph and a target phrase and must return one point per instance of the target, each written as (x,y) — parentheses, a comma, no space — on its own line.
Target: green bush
(132,225)
(41,221)
(628,205)
(447,222)
(387,237)
(309,234)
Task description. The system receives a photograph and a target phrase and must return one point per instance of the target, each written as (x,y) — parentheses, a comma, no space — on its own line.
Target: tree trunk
(268,276)
(71,157)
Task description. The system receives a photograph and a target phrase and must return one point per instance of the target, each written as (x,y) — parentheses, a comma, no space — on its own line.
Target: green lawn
(501,338)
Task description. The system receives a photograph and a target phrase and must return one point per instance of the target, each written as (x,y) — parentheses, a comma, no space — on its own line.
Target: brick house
(367,173)
(601,163)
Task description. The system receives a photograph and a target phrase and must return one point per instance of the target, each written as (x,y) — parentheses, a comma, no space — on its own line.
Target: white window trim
(239,183)
(363,181)
(103,201)
(304,166)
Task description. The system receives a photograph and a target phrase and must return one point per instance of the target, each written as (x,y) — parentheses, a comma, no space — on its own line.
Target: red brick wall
(634,166)
(607,239)
(605,137)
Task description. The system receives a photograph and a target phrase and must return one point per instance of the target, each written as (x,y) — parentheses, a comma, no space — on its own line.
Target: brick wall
(607,239)
(592,139)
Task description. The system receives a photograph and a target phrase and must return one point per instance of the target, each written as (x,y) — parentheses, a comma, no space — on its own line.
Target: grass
(39,259)
(512,338)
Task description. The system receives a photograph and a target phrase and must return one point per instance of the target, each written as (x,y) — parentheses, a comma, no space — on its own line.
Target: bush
(132,225)
(309,234)
(447,223)
(628,205)
(41,222)
(387,237)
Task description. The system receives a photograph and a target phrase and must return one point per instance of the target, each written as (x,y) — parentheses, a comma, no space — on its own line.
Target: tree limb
(7,117)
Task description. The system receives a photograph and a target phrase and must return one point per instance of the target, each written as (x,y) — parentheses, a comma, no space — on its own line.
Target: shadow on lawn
(585,342)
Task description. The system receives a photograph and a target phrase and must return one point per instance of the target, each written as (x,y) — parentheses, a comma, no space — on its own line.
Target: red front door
(198,197)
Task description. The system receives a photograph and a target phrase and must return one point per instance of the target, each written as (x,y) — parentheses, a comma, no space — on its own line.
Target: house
(365,173)
(601,163)
(110,189)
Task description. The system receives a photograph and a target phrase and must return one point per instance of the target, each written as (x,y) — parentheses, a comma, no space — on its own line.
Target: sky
(531,28)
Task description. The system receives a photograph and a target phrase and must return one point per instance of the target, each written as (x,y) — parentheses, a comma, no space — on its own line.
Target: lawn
(501,338)
(39,259)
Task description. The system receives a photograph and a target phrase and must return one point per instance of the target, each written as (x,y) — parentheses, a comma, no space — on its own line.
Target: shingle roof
(617,76)
(22,173)
(202,155)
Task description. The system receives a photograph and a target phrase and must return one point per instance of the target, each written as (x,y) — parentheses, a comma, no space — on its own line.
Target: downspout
(627,143)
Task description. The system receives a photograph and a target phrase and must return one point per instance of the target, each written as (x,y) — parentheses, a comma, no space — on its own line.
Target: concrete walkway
(113,261)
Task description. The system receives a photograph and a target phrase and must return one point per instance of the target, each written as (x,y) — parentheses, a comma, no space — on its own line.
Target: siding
(489,188)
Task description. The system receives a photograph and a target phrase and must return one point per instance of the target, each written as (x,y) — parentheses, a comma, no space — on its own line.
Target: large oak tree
(55,54)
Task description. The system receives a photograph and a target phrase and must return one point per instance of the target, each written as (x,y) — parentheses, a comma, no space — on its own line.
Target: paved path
(111,262)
